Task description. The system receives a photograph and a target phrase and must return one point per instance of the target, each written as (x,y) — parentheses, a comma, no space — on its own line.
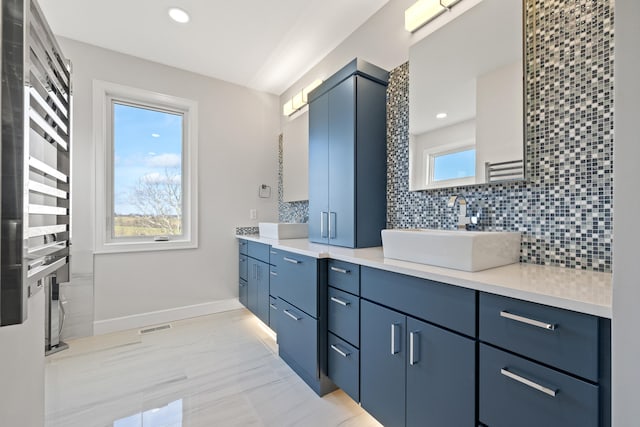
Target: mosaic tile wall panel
(565,210)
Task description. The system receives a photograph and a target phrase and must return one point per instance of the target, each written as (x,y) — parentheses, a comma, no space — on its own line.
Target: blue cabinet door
(252,285)
(440,377)
(342,133)
(263,292)
(258,289)
(318,169)
(382,363)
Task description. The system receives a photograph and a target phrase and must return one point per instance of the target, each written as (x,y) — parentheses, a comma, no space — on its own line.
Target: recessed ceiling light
(179,15)
(441,116)
(155,135)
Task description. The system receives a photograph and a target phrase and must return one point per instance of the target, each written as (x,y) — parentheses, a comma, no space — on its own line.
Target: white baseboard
(163,316)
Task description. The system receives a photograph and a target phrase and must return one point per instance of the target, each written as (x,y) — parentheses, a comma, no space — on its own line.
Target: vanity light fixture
(300,99)
(425,11)
(179,15)
(441,116)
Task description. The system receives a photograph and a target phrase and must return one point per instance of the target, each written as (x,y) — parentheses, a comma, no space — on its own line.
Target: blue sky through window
(461,164)
(147,143)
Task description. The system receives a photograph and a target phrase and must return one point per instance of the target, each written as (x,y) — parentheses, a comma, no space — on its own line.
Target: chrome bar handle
(528,382)
(291,260)
(340,270)
(340,301)
(273,306)
(323,215)
(537,323)
(291,315)
(273,273)
(332,229)
(395,346)
(340,352)
(413,347)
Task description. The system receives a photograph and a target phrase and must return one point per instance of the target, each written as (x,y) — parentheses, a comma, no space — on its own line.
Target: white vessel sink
(283,230)
(461,250)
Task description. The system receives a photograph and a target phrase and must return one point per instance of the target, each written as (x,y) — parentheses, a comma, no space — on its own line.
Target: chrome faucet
(463,219)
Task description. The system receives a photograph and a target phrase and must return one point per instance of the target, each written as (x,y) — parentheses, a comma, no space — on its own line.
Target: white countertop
(578,290)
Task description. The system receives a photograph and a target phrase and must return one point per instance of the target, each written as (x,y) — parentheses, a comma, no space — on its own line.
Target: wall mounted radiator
(35,164)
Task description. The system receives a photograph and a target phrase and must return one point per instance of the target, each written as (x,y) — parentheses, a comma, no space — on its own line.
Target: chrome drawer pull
(322,221)
(273,306)
(341,302)
(394,345)
(293,316)
(292,261)
(340,270)
(529,383)
(274,253)
(273,273)
(340,352)
(413,345)
(537,323)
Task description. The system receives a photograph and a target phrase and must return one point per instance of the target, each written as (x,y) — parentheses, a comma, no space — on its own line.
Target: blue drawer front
(344,316)
(273,313)
(243,293)
(344,366)
(298,337)
(259,251)
(298,281)
(274,281)
(572,346)
(507,402)
(344,276)
(274,254)
(446,305)
(243,246)
(243,267)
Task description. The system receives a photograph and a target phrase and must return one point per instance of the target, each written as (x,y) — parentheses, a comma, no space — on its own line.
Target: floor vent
(154,329)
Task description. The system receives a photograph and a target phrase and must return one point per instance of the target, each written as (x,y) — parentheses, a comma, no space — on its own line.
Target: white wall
(22,369)
(382,40)
(238,151)
(626,239)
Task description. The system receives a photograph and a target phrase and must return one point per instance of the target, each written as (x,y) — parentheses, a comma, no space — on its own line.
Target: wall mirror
(295,158)
(466,123)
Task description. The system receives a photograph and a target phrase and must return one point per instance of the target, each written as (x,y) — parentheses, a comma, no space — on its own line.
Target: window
(146,170)
(451,166)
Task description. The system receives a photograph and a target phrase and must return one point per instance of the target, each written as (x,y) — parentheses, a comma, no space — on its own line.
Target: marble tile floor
(217,370)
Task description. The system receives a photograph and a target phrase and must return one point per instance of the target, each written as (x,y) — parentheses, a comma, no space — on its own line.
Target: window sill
(172,245)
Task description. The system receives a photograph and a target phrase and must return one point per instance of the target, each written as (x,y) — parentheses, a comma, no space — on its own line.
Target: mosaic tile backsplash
(564,211)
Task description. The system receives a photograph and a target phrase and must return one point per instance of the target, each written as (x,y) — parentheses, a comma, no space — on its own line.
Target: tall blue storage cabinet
(347,157)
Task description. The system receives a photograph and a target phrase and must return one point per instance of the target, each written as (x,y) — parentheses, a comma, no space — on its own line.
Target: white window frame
(104,93)
(442,150)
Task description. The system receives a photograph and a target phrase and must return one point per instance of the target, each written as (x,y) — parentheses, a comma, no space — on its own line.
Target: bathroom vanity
(416,345)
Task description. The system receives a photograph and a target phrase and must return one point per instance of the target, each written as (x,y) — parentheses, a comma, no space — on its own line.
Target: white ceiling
(262,44)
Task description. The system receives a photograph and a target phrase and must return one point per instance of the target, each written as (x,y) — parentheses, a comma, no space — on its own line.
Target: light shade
(287,108)
(300,99)
(424,11)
